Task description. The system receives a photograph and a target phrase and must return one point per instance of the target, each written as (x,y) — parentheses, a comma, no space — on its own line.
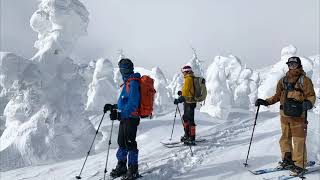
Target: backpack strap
(128,83)
(301,81)
(285,84)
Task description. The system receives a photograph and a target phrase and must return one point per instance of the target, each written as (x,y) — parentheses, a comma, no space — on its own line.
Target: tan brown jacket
(306,93)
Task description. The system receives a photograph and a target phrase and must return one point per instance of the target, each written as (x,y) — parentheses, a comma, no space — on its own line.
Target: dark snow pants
(127,141)
(188,120)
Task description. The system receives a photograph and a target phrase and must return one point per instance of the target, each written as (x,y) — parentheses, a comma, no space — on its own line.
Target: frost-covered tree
(163,99)
(102,89)
(45,119)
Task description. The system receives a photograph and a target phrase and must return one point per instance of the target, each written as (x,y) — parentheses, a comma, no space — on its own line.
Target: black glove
(181,99)
(261,102)
(114,115)
(176,101)
(306,105)
(106,108)
(179,93)
(109,107)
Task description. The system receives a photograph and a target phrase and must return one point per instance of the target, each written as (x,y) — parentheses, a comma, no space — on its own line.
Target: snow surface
(219,158)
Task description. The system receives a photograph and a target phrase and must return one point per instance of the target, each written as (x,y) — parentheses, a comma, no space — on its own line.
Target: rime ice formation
(44,117)
(102,89)
(230,85)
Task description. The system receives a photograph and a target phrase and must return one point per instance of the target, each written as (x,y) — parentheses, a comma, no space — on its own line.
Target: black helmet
(294,59)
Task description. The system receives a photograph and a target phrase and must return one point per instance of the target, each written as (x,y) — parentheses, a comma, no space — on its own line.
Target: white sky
(160,32)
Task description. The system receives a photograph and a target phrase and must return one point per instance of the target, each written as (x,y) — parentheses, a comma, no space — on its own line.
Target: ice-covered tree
(163,99)
(45,119)
(102,89)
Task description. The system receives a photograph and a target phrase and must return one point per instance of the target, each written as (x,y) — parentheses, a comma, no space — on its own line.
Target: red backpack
(147,93)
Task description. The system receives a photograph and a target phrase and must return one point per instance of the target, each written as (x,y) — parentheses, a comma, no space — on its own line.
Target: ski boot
(120,169)
(287,162)
(190,142)
(297,171)
(132,173)
(184,138)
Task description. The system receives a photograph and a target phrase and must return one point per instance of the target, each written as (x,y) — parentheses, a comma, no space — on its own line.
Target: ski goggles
(126,71)
(292,65)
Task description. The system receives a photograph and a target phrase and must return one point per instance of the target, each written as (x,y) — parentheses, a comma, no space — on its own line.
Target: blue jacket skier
(128,105)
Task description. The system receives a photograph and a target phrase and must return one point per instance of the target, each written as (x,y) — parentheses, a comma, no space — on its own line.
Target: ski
(310,170)
(179,144)
(264,171)
(270,170)
(142,174)
(119,178)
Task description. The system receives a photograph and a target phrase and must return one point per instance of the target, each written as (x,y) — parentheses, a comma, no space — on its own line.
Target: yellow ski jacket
(188,88)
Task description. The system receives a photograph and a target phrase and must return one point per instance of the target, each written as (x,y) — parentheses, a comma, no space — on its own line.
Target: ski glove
(114,115)
(109,107)
(306,105)
(181,99)
(261,102)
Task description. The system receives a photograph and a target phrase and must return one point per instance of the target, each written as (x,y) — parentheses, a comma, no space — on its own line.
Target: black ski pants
(188,115)
(127,134)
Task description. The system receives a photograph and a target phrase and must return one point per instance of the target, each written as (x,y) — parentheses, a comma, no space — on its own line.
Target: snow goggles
(293,65)
(126,71)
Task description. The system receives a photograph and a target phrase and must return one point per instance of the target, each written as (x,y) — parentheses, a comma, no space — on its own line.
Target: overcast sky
(160,32)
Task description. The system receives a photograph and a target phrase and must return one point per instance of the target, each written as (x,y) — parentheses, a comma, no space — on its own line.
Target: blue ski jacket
(129,99)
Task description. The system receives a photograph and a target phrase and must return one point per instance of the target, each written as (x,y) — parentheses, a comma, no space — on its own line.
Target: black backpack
(291,107)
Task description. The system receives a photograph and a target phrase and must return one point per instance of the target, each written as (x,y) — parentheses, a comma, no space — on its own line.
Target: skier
(189,104)
(296,95)
(128,104)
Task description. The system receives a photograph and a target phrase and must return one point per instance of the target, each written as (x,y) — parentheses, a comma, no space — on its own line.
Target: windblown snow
(50,108)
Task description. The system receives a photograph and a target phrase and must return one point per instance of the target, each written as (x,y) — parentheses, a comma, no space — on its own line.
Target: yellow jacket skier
(189,106)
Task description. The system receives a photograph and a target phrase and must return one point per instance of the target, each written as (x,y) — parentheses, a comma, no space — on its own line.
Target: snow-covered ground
(221,157)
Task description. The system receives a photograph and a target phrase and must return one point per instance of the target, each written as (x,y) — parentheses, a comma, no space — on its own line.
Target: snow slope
(221,157)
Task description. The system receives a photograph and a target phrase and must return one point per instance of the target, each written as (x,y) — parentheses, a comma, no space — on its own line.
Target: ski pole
(106,166)
(189,130)
(255,123)
(79,176)
(174,121)
(304,144)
